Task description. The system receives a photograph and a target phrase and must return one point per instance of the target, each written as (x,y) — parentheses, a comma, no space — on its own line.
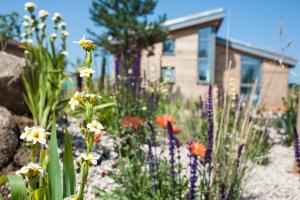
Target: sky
(252,21)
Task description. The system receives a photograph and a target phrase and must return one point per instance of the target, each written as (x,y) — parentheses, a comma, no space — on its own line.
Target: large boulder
(8,137)
(11,87)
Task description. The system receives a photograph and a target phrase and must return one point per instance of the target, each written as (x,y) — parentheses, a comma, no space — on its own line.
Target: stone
(9,137)
(11,87)
(22,156)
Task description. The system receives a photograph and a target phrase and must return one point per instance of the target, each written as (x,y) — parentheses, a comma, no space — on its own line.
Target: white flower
(90,159)
(95,127)
(65,53)
(86,44)
(85,72)
(65,33)
(37,135)
(26,133)
(43,14)
(26,24)
(92,96)
(56,17)
(26,18)
(31,170)
(30,6)
(62,25)
(74,101)
(42,26)
(53,36)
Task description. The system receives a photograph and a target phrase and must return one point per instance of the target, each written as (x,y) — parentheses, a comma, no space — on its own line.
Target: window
(168,74)
(169,46)
(250,75)
(206,54)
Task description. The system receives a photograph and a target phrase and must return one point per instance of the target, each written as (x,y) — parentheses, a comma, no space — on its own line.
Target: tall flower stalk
(297,149)
(172,146)
(91,130)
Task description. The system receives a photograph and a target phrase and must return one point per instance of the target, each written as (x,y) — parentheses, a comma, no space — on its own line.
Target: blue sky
(255,21)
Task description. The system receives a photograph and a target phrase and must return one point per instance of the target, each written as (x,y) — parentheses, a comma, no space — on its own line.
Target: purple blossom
(172,146)
(193,174)
(297,148)
(117,64)
(210,130)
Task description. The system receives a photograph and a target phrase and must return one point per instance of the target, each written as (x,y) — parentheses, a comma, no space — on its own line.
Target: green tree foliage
(127,28)
(9,28)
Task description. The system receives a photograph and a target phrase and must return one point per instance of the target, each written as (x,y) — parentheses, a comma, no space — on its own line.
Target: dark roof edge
(258,51)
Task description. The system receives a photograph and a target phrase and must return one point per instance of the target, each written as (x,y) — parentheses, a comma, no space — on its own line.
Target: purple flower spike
(297,149)
(210,131)
(172,146)
(193,175)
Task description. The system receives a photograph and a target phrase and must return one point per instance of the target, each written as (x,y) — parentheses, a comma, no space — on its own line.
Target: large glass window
(206,54)
(168,74)
(250,75)
(169,46)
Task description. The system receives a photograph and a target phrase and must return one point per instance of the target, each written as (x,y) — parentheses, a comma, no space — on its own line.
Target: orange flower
(197,149)
(131,122)
(97,138)
(163,120)
(176,130)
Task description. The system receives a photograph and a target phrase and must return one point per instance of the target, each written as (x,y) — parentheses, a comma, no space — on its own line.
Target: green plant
(9,28)
(44,71)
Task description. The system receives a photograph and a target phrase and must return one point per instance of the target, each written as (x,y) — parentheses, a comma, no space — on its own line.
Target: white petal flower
(43,14)
(42,26)
(37,135)
(65,53)
(62,25)
(90,159)
(31,170)
(95,127)
(65,33)
(26,133)
(53,36)
(30,6)
(57,17)
(26,18)
(86,44)
(85,72)
(75,100)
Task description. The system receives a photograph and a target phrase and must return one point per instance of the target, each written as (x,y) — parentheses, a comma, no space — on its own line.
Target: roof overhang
(258,51)
(195,19)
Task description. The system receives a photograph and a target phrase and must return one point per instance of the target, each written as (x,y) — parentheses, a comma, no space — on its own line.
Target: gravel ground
(273,181)
(276,180)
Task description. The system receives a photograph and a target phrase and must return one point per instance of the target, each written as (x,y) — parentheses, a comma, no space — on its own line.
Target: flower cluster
(87,45)
(163,121)
(35,135)
(90,159)
(82,98)
(31,170)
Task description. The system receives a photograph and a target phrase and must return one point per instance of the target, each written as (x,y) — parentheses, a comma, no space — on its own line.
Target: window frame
(171,69)
(252,61)
(170,53)
(211,39)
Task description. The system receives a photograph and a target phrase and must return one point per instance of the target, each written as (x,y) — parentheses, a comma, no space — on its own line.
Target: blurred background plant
(44,71)
(10,28)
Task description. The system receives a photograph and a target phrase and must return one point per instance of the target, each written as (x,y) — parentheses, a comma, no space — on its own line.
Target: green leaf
(18,188)
(69,181)
(3,180)
(54,171)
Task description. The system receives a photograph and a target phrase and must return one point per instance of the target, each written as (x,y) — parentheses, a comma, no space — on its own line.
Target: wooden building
(193,57)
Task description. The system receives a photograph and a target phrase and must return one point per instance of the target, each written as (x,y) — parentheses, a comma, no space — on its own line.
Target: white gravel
(275,181)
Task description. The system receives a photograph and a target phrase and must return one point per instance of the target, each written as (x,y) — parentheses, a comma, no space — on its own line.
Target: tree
(127,30)
(9,28)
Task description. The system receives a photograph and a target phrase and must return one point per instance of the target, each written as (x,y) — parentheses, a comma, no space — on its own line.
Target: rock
(9,136)
(23,121)
(22,156)
(11,87)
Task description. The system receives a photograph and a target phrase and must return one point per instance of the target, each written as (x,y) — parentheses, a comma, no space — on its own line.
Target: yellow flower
(87,45)
(37,135)
(30,6)
(95,127)
(90,159)
(85,72)
(31,170)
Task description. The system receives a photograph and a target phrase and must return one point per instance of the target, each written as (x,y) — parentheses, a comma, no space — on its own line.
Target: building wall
(274,78)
